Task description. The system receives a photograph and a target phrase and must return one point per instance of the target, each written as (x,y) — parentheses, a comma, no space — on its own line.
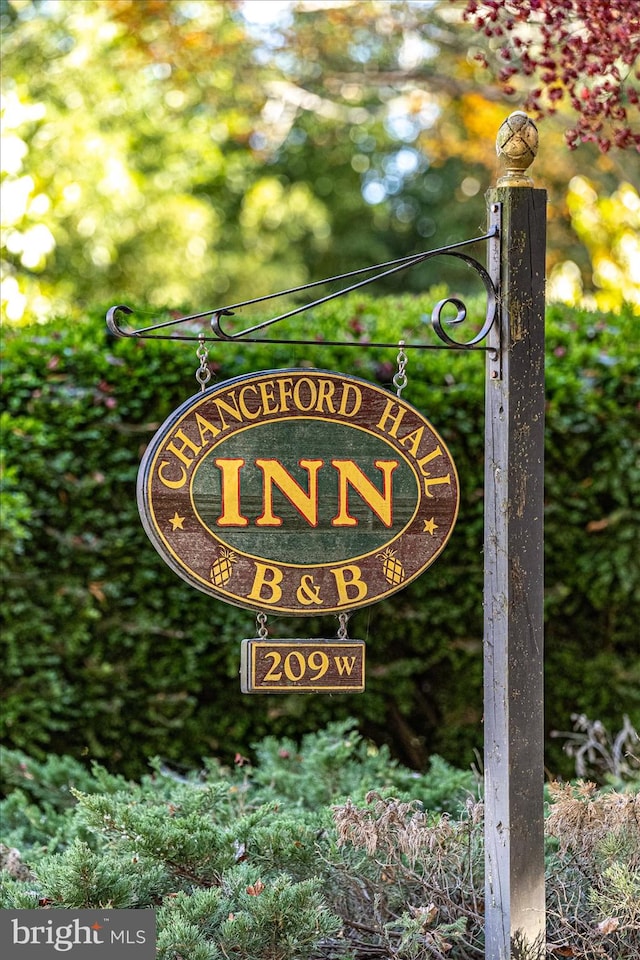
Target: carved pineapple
(392,569)
(222,568)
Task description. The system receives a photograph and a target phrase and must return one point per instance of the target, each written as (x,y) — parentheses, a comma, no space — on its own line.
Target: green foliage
(342,761)
(107,655)
(173,151)
(39,801)
(235,866)
(231,861)
(84,878)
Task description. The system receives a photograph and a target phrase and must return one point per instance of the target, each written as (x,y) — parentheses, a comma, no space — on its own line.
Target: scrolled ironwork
(461,315)
(160,330)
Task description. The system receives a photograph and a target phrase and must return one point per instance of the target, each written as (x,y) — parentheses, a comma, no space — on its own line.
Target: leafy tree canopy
(177,152)
(584,51)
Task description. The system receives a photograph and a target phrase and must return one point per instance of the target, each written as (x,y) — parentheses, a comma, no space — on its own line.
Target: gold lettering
(348,388)
(284,388)
(244,409)
(276,657)
(395,419)
(230,486)
(350,475)
(429,457)
(180,451)
(266,392)
(288,666)
(344,664)
(435,482)
(297,394)
(307,593)
(204,427)
(305,503)
(325,392)
(172,484)
(268,577)
(348,579)
(233,411)
(412,441)
(318,661)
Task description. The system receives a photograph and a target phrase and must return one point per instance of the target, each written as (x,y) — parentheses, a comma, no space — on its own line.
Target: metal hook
(400,379)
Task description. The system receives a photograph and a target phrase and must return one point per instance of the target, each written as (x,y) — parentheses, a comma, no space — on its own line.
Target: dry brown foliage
(411,885)
(582,817)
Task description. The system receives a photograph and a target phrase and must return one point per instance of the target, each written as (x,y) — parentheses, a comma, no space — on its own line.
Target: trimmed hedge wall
(107,654)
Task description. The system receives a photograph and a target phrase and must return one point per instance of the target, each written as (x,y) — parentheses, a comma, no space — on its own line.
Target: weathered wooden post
(513,592)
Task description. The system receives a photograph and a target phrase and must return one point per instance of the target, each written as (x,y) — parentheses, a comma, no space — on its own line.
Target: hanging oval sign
(300,492)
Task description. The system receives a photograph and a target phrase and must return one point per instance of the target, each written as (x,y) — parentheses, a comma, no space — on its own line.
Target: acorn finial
(517,146)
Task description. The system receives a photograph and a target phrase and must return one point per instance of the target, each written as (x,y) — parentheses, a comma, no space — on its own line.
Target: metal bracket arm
(160,330)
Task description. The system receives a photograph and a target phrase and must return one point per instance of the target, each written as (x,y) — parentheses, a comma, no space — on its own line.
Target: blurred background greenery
(181,154)
(187,153)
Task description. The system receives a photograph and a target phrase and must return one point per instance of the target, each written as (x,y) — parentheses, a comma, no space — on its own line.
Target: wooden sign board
(301,492)
(302,666)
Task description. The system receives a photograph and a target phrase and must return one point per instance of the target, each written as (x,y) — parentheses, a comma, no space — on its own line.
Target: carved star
(430,526)
(177,521)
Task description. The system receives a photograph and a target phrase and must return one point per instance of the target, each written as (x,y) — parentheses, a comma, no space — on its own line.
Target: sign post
(513,591)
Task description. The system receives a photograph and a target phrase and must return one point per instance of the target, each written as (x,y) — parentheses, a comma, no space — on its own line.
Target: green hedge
(109,655)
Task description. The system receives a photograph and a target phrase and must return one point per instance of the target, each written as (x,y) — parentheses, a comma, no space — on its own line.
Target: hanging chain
(261,626)
(342,629)
(203,374)
(400,379)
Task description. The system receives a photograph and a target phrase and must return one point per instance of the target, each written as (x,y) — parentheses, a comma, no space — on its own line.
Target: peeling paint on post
(513,591)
